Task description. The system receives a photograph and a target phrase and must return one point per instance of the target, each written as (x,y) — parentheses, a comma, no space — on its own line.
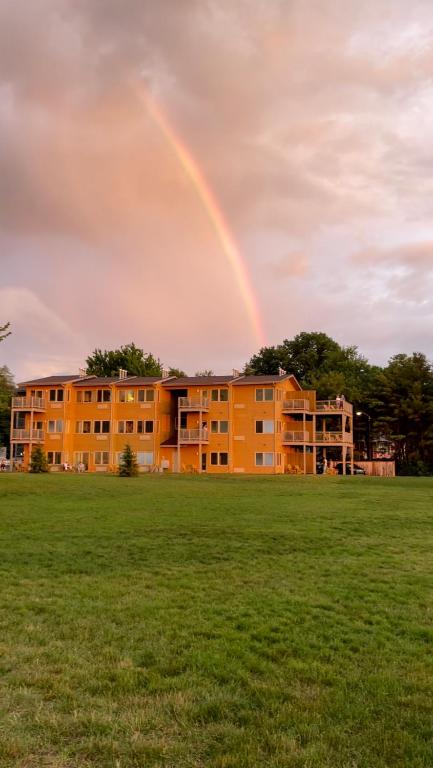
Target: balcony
(296,405)
(332,406)
(194,403)
(27,435)
(28,403)
(193,436)
(334,437)
(296,437)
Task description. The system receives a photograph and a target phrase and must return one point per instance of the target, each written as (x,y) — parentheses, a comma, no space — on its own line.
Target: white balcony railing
(296,405)
(332,405)
(28,435)
(296,437)
(28,403)
(194,402)
(193,435)
(334,437)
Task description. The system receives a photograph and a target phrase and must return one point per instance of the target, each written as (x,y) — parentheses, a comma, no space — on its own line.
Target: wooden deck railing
(296,405)
(27,435)
(334,437)
(331,405)
(194,402)
(28,403)
(193,435)
(296,437)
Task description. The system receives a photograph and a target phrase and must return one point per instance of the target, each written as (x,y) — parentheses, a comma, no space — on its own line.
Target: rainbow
(215,215)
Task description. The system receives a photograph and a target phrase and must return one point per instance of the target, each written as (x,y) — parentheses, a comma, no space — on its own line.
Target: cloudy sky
(312,124)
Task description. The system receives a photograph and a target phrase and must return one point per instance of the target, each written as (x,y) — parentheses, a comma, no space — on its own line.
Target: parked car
(357,470)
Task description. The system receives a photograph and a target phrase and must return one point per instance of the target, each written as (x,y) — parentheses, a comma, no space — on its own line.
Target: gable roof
(48,380)
(199,381)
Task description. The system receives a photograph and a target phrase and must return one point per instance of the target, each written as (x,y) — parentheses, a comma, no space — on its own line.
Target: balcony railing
(193,435)
(332,405)
(296,405)
(334,437)
(28,435)
(28,403)
(194,403)
(296,437)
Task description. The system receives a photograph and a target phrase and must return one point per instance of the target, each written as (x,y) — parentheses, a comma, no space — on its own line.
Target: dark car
(357,470)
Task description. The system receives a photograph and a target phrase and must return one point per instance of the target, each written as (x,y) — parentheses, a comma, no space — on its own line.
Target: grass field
(222,622)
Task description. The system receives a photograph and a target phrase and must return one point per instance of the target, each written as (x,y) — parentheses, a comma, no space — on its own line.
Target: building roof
(199,381)
(48,380)
(141,380)
(272,379)
(93,381)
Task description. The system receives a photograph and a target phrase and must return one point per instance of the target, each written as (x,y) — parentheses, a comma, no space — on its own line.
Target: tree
(128,466)
(204,373)
(4,331)
(6,390)
(176,372)
(38,460)
(129,358)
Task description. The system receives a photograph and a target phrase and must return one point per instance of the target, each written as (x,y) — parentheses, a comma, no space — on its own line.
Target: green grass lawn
(222,622)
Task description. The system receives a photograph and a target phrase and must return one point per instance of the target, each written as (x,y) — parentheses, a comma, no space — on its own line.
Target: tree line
(396,398)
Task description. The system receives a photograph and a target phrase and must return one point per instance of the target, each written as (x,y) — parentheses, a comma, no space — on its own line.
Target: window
(54,457)
(83,427)
(264,395)
(265,427)
(101,457)
(82,458)
(126,396)
(36,393)
(264,459)
(55,425)
(145,427)
(221,427)
(219,459)
(103,396)
(101,427)
(84,396)
(125,427)
(146,395)
(145,458)
(56,395)
(221,395)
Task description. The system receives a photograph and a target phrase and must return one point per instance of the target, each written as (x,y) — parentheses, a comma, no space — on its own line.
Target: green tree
(128,466)
(6,390)
(4,331)
(129,357)
(403,410)
(176,372)
(38,460)
(206,372)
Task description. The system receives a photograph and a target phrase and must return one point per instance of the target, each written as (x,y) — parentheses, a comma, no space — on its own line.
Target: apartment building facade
(214,424)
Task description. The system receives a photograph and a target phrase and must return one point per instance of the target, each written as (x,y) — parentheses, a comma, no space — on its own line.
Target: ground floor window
(54,457)
(264,459)
(220,459)
(145,458)
(102,458)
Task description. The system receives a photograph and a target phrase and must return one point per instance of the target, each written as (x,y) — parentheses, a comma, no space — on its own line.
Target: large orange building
(216,424)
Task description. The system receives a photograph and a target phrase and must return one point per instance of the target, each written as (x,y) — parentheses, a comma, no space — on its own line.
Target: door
(203,462)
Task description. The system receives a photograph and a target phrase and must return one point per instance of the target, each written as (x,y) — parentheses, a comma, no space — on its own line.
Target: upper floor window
(265,427)
(83,427)
(101,427)
(84,396)
(264,395)
(146,395)
(55,425)
(56,395)
(36,393)
(145,427)
(220,395)
(126,396)
(221,427)
(104,396)
(125,427)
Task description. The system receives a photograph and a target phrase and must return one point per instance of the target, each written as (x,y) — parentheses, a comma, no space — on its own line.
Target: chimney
(236,373)
(82,373)
(123,374)
(281,372)
(165,373)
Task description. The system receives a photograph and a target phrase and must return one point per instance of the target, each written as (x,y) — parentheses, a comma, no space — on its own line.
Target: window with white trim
(54,457)
(85,396)
(101,427)
(103,396)
(55,425)
(82,457)
(219,427)
(219,458)
(126,396)
(83,427)
(145,427)
(146,395)
(219,395)
(56,395)
(145,458)
(265,427)
(125,427)
(264,459)
(102,458)
(264,395)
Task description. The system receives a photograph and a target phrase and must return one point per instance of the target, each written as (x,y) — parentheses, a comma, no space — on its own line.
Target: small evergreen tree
(128,466)
(38,460)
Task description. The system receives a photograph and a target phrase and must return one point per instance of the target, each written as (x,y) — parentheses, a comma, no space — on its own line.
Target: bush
(128,466)
(38,460)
